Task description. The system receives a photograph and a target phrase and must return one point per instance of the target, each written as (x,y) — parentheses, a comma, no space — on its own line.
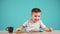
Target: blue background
(16,12)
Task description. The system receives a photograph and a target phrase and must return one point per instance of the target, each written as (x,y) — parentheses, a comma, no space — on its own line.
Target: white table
(53,32)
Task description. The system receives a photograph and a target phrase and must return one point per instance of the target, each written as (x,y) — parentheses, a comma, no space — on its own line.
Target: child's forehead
(36,13)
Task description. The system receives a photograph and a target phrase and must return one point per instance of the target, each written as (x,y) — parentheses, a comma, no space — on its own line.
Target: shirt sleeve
(42,25)
(25,24)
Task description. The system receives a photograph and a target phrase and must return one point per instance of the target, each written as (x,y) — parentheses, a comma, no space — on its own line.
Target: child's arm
(48,29)
(23,26)
(20,29)
(45,28)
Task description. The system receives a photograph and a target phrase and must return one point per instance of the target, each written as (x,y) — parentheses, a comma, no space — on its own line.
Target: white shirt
(31,26)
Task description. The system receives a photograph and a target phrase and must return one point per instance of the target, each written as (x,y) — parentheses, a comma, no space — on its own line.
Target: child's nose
(37,17)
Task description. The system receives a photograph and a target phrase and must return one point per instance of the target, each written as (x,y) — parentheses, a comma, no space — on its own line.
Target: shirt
(31,26)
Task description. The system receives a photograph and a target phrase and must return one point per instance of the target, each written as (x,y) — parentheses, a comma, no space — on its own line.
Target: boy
(35,23)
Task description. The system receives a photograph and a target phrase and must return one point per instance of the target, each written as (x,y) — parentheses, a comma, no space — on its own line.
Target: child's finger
(18,29)
(50,29)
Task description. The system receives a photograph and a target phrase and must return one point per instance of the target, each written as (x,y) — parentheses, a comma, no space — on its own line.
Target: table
(53,32)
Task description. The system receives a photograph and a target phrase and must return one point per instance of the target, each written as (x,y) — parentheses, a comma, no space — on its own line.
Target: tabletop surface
(53,32)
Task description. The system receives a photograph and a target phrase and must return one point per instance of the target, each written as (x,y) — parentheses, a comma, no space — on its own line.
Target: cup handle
(6,28)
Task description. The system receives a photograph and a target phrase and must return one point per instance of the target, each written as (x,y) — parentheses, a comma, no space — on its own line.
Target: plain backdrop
(16,12)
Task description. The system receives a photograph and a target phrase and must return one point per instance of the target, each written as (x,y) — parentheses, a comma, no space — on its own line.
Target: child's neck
(34,21)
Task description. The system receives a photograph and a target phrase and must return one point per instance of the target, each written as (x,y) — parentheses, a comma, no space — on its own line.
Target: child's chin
(37,20)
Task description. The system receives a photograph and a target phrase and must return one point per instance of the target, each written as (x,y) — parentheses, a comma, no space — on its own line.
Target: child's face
(36,16)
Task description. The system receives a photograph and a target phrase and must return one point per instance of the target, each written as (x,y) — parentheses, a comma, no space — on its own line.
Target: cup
(9,29)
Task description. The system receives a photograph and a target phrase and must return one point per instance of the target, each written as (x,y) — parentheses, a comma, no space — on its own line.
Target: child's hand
(18,29)
(48,29)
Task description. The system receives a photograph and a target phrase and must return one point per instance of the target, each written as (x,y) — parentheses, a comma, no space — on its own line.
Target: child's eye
(35,16)
(38,16)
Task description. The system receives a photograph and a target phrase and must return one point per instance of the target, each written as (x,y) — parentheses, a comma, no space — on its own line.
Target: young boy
(35,23)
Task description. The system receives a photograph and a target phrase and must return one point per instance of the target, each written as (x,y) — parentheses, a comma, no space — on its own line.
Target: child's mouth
(36,19)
